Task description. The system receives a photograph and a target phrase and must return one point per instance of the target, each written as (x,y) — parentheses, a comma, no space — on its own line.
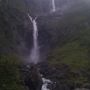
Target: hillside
(73,51)
(63,38)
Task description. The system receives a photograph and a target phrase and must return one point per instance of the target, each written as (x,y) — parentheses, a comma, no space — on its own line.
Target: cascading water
(34,56)
(45,84)
(53,6)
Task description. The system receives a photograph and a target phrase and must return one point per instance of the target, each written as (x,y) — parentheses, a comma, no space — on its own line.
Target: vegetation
(75,51)
(9,73)
(69,37)
(9,62)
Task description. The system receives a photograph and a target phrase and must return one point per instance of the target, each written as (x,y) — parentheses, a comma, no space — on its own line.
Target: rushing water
(34,56)
(53,6)
(45,84)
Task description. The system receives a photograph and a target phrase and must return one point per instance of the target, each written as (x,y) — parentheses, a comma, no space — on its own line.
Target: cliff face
(64,33)
(54,28)
(15,30)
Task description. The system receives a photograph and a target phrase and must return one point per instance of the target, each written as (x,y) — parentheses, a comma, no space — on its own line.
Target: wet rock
(32,77)
(58,75)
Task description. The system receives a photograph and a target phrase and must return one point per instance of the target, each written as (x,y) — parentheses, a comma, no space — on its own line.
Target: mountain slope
(74,52)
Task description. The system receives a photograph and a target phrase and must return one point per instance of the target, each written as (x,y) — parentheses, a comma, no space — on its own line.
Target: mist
(37,7)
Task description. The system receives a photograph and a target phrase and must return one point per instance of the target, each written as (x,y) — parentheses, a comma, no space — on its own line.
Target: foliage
(76,57)
(76,49)
(9,73)
(9,62)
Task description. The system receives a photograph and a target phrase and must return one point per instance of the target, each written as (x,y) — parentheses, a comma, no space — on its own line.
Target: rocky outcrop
(62,77)
(31,77)
(58,75)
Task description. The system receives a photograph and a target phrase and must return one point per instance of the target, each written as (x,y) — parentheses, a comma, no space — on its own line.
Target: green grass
(75,52)
(9,73)
(71,54)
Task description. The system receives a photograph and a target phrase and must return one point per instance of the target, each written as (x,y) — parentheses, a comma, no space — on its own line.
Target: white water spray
(45,84)
(34,57)
(53,6)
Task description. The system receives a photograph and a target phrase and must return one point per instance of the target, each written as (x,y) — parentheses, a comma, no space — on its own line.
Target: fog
(45,6)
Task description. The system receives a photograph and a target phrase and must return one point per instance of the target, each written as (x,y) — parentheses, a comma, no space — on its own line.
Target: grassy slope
(9,71)
(75,52)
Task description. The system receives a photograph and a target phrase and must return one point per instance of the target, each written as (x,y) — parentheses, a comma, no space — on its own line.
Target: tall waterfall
(34,56)
(53,6)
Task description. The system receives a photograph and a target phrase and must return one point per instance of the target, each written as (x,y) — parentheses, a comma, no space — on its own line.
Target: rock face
(31,76)
(15,29)
(58,75)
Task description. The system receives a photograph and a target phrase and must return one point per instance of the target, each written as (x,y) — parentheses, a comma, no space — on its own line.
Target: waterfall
(34,55)
(53,6)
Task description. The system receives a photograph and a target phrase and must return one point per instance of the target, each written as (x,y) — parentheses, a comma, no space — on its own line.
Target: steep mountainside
(73,48)
(64,40)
